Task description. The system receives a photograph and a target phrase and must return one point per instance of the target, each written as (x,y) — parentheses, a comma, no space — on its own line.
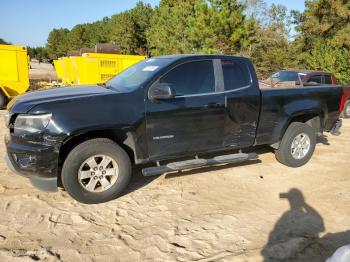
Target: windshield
(136,75)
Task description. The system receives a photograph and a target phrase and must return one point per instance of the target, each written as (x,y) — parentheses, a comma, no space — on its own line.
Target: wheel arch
(311,117)
(118,136)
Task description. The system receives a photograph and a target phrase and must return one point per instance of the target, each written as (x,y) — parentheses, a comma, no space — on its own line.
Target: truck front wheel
(3,100)
(297,145)
(96,171)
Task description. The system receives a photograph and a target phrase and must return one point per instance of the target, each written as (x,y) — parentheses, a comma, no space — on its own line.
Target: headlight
(31,123)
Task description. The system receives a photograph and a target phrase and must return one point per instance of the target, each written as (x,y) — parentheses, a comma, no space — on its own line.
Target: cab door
(193,121)
(242,96)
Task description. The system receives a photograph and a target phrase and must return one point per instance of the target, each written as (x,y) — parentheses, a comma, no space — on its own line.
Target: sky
(28,22)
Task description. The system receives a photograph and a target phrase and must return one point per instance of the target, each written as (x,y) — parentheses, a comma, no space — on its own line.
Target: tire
(295,131)
(346,113)
(3,100)
(81,162)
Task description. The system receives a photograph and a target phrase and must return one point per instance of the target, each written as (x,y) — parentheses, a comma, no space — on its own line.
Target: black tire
(3,100)
(346,113)
(284,152)
(79,155)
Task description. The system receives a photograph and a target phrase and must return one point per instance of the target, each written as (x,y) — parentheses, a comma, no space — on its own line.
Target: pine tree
(57,43)
(168,33)
(324,29)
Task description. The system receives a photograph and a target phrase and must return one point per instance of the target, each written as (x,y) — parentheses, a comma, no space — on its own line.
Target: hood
(25,102)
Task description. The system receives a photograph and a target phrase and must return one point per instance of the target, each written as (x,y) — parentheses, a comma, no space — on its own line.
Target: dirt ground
(42,71)
(232,213)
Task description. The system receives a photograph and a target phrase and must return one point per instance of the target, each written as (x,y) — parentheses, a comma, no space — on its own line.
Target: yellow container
(14,70)
(59,69)
(98,68)
(68,71)
(79,69)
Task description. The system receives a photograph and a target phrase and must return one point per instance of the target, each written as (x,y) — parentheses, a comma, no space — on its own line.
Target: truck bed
(279,106)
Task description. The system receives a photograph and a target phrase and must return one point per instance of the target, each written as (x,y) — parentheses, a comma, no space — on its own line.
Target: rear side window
(328,79)
(191,78)
(315,80)
(236,74)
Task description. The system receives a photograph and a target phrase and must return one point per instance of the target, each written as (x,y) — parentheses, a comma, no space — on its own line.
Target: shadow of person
(295,231)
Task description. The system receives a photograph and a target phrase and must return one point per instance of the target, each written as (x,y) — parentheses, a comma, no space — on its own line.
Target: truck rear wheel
(297,145)
(3,100)
(96,171)
(346,112)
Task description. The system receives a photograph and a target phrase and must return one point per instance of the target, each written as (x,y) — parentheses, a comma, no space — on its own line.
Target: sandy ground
(42,71)
(232,213)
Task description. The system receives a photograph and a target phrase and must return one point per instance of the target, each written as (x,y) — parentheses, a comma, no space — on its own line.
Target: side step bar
(189,164)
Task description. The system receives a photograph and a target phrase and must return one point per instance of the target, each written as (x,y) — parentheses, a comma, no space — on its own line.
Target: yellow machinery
(99,68)
(68,71)
(14,72)
(59,69)
(78,63)
(92,68)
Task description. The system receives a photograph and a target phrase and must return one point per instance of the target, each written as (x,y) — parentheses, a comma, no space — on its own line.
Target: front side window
(236,74)
(191,78)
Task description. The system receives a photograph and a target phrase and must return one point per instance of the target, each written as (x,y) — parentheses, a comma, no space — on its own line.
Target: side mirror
(161,91)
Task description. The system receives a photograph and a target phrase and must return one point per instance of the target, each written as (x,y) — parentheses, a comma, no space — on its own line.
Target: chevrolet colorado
(159,110)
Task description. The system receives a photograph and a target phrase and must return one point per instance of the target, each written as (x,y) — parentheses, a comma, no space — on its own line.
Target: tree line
(273,37)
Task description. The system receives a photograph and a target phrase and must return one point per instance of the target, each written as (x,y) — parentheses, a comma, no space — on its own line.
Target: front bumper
(35,161)
(46,184)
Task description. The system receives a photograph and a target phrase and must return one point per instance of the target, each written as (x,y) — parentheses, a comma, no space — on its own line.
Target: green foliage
(168,33)
(324,56)
(217,26)
(87,35)
(58,43)
(267,38)
(324,37)
(128,29)
(248,27)
(325,19)
(3,42)
(39,53)
(197,26)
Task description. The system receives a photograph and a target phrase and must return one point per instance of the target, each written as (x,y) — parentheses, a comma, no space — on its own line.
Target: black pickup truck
(159,110)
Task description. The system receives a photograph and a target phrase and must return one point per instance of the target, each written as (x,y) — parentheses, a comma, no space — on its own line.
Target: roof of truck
(181,56)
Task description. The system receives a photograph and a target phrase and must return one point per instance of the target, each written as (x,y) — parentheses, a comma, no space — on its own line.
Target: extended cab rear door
(193,121)
(242,102)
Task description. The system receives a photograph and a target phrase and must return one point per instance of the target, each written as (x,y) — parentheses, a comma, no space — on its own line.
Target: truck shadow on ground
(296,235)
(139,181)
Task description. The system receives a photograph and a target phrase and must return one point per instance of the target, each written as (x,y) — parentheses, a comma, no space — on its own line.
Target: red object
(342,103)
(345,97)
